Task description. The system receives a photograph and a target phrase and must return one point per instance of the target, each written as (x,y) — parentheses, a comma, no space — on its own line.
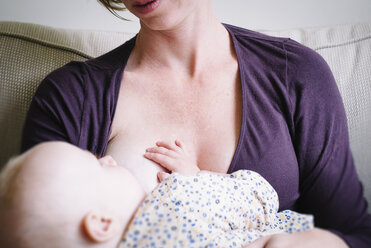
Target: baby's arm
(173,157)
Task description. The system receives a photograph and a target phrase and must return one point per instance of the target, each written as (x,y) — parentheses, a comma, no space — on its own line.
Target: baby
(57,195)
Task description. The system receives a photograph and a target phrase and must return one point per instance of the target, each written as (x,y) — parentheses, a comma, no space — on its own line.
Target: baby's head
(57,195)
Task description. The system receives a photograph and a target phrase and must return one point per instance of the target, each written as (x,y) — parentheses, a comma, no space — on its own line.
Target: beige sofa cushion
(28,52)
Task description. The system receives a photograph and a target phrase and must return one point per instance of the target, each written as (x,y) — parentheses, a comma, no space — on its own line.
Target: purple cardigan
(294,131)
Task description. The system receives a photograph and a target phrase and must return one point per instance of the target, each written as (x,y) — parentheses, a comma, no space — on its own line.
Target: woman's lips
(145,7)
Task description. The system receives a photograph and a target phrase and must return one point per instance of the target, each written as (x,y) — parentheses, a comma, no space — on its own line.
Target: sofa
(28,52)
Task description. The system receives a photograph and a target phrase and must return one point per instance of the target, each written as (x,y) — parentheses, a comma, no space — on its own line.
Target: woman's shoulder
(248,34)
(113,59)
(78,74)
(300,61)
(293,50)
(306,68)
(69,76)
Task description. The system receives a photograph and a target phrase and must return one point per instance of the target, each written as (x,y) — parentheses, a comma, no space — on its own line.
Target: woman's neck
(186,47)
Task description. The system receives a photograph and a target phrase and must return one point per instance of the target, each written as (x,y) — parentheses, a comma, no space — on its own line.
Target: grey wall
(253,14)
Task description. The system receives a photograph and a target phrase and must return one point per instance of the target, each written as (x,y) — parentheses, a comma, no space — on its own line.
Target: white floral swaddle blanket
(211,210)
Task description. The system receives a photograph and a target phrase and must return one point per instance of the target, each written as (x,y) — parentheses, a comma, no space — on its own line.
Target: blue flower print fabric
(211,210)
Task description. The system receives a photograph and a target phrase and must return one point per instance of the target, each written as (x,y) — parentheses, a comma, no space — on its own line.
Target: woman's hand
(173,157)
(313,238)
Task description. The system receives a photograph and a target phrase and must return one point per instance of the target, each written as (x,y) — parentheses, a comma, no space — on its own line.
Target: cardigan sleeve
(56,109)
(329,185)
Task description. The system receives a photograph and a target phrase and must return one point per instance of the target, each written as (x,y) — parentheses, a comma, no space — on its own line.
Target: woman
(243,100)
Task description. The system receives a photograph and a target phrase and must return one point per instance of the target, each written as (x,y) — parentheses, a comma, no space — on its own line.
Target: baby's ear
(100,227)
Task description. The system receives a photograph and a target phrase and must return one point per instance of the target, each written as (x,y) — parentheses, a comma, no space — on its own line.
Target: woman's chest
(207,119)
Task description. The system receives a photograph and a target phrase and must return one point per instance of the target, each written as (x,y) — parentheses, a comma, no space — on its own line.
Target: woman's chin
(161,23)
